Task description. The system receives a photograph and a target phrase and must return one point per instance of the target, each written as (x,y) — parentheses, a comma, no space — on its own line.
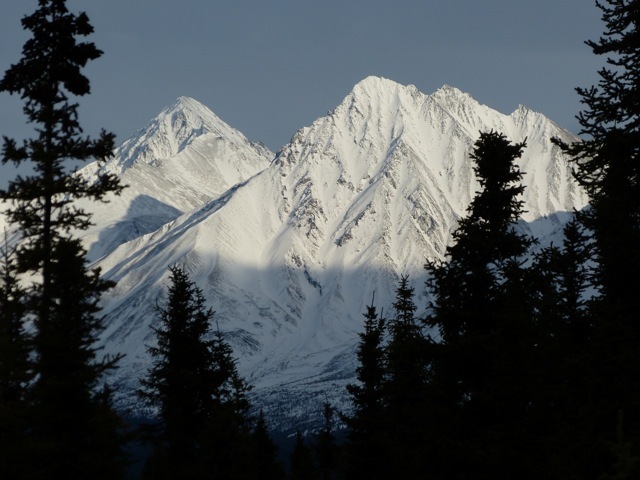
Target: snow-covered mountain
(183,158)
(289,256)
(289,248)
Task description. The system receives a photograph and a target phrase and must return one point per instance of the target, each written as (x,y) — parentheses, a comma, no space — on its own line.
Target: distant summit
(173,130)
(184,157)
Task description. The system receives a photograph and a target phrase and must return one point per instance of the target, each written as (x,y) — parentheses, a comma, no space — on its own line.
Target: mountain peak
(522,112)
(190,106)
(189,102)
(375,86)
(187,113)
(373,82)
(447,89)
(381,88)
(381,95)
(449,95)
(172,130)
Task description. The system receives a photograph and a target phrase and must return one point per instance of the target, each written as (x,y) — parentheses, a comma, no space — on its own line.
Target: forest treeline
(526,364)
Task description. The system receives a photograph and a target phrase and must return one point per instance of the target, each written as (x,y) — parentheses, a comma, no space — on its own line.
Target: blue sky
(270,67)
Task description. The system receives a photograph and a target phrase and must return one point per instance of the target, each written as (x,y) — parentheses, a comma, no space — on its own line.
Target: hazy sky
(270,67)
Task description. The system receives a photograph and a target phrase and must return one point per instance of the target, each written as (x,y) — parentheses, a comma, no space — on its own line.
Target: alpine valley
(290,247)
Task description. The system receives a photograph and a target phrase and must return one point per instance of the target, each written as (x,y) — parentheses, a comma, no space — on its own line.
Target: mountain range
(290,247)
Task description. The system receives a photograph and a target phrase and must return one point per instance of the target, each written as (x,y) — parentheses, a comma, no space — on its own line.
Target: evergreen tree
(76,431)
(262,459)
(365,450)
(467,284)
(227,436)
(404,388)
(327,451)
(562,277)
(482,314)
(14,340)
(180,381)
(65,442)
(46,76)
(607,166)
(194,384)
(301,466)
(230,388)
(15,371)
(606,160)
(559,280)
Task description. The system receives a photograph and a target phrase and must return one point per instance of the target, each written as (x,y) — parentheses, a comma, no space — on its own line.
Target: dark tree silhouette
(194,384)
(63,301)
(227,436)
(560,280)
(301,466)
(180,381)
(404,387)
(608,167)
(15,371)
(74,426)
(262,457)
(482,312)
(46,76)
(365,451)
(327,452)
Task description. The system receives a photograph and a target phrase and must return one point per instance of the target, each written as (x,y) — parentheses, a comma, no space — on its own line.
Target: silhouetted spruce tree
(365,450)
(608,167)
(45,77)
(194,384)
(560,280)
(482,313)
(562,277)
(404,388)
(301,465)
(606,160)
(466,285)
(42,208)
(15,372)
(76,430)
(227,436)
(262,458)
(328,454)
(180,382)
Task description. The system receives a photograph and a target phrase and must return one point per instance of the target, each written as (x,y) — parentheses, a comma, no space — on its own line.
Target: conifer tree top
(51,60)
